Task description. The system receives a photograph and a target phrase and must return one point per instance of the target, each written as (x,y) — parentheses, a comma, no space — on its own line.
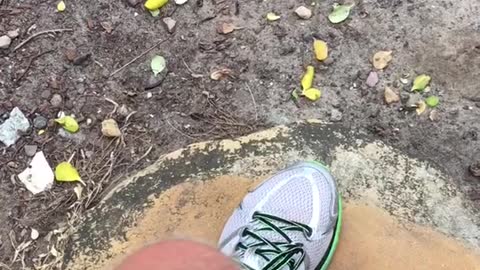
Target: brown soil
(371,239)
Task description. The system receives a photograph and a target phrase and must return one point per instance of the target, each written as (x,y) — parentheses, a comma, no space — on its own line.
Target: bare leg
(177,255)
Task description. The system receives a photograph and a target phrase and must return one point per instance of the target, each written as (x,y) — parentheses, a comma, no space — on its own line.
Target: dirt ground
(163,113)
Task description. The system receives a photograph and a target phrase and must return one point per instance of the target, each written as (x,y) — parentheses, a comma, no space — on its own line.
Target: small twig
(177,130)
(193,74)
(30,64)
(128,116)
(254,102)
(71,157)
(5,266)
(115,105)
(142,157)
(41,33)
(137,57)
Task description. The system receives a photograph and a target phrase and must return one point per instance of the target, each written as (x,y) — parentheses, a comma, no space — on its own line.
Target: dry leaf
(107,26)
(272,17)
(381,59)
(391,96)
(221,74)
(434,115)
(227,27)
(70,54)
(320,48)
(421,106)
(372,79)
(307,79)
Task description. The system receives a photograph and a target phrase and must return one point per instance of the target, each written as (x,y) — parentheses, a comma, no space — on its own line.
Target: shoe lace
(275,254)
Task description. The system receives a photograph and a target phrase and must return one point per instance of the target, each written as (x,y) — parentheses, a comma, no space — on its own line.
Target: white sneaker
(291,221)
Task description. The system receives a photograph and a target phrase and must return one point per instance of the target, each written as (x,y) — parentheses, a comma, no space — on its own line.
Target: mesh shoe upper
(304,194)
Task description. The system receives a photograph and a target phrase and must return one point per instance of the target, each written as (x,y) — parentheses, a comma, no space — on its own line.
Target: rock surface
(9,130)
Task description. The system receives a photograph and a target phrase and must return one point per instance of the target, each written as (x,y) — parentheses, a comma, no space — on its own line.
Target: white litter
(38,176)
(10,128)
(34,234)
(180,2)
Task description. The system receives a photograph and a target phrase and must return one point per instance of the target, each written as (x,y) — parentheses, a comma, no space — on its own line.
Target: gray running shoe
(290,221)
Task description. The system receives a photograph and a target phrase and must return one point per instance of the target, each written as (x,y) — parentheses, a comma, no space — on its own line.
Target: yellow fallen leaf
(61,6)
(68,123)
(155,4)
(307,80)
(320,48)
(312,94)
(381,59)
(272,16)
(421,106)
(65,172)
(41,131)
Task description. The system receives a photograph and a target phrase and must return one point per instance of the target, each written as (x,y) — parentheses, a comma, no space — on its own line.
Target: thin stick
(137,57)
(177,130)
(115,105)
(254,102)
(42,33)
(30,64)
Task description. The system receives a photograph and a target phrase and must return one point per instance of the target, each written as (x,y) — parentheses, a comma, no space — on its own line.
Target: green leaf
(65,172)
(68,123)
(421,82)
(295,95)
(432,101)
(158,64)
(155,12)
(339,13)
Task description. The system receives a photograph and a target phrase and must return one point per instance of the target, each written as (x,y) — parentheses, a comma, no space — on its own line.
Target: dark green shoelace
(276,254)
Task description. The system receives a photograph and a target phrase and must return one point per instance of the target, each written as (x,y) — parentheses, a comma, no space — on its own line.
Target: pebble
(303,12)
(11,129)
(474,169)
(169,24)
(413,100)
(5,42)
(45,94)
(40,122)
(336,115)
(56,100)
(328,61)
(123,110)
(30,149)
(110,128)
(372,79)
(13,33)
(133,3)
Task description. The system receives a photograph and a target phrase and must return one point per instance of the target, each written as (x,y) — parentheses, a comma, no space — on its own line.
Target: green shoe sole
(327,259)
